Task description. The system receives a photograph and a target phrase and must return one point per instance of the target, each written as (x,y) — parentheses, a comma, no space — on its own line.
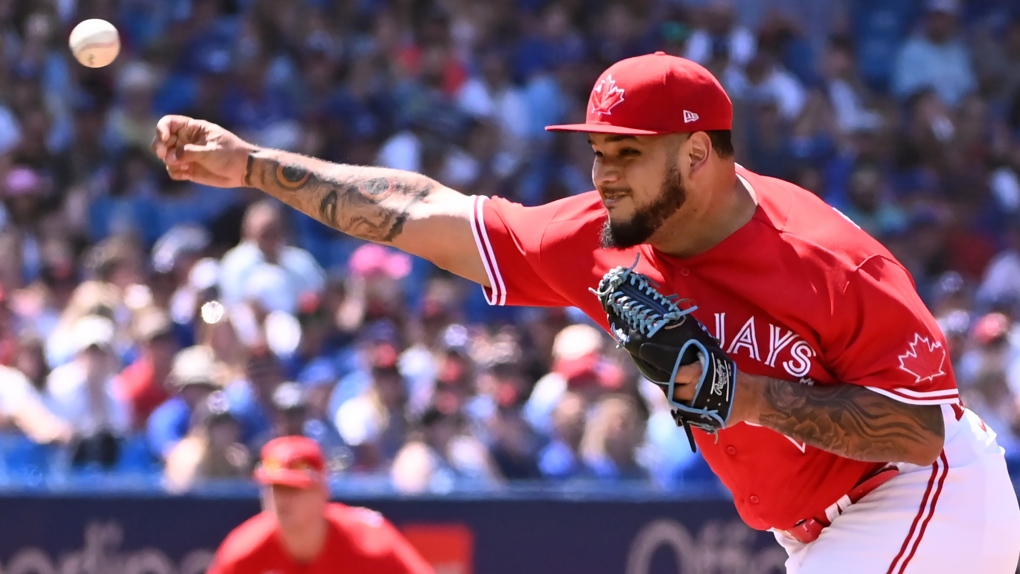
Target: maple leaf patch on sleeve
(924,358)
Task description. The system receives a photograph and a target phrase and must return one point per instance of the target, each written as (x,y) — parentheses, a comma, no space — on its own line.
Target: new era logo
(690,116)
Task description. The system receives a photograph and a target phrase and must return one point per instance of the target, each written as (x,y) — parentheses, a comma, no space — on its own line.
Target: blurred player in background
(300,531)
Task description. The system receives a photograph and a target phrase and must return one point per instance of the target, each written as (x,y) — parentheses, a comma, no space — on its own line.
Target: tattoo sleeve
(851,421)
(365,202)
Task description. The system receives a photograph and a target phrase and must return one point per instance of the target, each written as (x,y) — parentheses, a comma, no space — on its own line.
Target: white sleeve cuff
(912,397)
(496,294)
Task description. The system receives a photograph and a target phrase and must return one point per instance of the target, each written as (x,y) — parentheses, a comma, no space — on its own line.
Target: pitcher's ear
(699,147)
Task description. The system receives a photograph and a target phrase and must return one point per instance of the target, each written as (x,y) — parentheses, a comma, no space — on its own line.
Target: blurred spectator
(1002,276)
(551,41)
(461,381)
(869,205)
(935,58)
(721,29)
(25,195)
(177,252)
(994,349)
(561,458)
(441,456)
(11,272)
(22,407)
(9,330)
(1011,76)
(133,119)
(987,376)
(263,267)
(846,91)
(319,334)
(622,33)
(318,380)
(143,384)
(491,95)
(579,366)
(437,334)
(116,261)
(375,423)
(30,360)
(955,326)
(82,392)
(191,294)
(214,327)
(769,83)
(251,397)
(611,439)
(952,293)
(502,390)
(289,416)
(194,374)
(356,362)
(211,450)
(665,451)
(40,303)
(89,298)
(515,445)
(374,289)
(1004,181)
(127,207)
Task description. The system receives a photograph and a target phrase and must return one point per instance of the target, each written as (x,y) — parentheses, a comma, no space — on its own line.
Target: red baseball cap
(991,327)
(291,461)
(655,94)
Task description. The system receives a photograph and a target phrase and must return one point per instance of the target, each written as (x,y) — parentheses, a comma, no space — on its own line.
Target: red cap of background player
(291,461)
(655,94)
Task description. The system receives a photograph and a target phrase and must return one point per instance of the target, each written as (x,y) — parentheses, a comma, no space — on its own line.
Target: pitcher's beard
(646,219)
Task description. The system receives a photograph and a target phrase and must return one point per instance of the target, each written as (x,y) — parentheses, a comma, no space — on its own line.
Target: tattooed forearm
(368,203)
(852,421)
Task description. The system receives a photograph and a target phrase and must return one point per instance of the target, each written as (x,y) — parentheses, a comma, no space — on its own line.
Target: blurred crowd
(163,329)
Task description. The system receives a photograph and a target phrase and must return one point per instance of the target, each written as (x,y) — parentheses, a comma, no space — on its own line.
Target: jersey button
(752,499)
(731,450)
(685,272)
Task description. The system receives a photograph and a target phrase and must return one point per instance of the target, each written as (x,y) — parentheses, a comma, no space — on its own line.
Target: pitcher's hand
(200,151)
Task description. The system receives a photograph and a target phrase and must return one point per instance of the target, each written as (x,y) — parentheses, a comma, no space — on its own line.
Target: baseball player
(798,357)
(300,531)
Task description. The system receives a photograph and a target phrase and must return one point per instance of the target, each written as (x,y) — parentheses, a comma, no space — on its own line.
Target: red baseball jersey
(799,293)
(360,541)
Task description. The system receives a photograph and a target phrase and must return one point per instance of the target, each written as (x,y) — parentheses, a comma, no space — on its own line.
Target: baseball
(95,43)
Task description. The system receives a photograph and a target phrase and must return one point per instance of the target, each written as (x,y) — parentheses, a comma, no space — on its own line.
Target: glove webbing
(646,311)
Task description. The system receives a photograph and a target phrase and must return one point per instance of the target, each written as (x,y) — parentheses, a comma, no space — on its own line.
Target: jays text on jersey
(798,293)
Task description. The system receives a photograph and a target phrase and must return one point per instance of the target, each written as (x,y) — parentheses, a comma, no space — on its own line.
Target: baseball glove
(661,337)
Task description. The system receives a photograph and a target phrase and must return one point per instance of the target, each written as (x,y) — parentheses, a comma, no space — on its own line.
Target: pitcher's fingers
(159,148)
(689,373)
(189,153)
(179,172)
(169,126)
(167,130)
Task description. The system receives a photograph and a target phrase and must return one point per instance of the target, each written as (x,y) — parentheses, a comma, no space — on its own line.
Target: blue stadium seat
(22,458)
(135,456)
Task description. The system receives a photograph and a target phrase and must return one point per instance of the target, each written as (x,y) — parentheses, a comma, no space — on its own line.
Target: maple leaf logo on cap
(606,96)
(924,359)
